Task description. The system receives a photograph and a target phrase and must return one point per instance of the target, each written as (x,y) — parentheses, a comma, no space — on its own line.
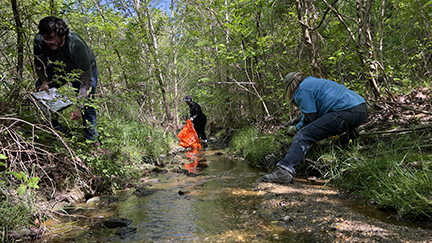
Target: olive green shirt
(74,55)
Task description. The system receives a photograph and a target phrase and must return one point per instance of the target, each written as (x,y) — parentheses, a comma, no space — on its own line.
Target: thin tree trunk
(20,44)
(305,9)
(159,73)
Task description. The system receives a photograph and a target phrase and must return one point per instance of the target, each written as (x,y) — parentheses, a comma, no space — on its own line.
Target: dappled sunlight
(367,230)
(242,192)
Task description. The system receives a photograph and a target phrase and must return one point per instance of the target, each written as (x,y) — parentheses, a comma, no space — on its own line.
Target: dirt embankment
(316,213)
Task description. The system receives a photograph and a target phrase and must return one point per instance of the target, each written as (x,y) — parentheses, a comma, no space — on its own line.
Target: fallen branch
(398,130)
(404,106)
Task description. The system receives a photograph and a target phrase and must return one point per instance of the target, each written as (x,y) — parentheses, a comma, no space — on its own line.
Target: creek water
(220,204)
(217,205)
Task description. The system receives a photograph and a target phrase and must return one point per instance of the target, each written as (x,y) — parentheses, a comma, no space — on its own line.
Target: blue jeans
(330,124)
(89,113)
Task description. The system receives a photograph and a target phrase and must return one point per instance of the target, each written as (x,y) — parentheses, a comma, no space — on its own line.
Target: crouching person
(327,109)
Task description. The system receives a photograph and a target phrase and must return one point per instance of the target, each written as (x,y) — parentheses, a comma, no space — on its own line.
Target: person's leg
(199,127)
(203,136)
(323,127)
(359,115)
(89,114)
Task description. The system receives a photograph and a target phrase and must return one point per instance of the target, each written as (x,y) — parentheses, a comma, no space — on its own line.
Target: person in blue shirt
(327,109)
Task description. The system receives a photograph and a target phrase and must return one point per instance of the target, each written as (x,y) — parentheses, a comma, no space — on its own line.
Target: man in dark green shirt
(60,52)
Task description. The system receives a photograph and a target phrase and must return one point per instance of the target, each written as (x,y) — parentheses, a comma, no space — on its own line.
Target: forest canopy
(229,55)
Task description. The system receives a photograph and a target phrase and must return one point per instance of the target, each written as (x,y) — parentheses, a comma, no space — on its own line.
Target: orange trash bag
(189,137)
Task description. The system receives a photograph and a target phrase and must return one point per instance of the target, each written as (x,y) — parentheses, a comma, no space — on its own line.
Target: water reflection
(194,156)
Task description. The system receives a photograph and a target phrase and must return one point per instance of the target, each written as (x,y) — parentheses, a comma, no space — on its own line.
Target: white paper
(54,100)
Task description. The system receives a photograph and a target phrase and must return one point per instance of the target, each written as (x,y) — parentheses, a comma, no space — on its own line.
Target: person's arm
(305,100)
(195,110)
(81,57)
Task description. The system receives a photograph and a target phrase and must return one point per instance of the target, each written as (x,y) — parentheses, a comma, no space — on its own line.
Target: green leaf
(24,176)
(22,189)
(2,156)
(32,183)
(16,174)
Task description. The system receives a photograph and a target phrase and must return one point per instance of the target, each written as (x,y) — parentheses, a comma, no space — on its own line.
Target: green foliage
(13,215)
(231,57)
(398,179)
(134,139)
(254,146)
(16,211)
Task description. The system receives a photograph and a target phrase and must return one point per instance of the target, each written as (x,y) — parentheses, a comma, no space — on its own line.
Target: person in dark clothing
(58,53)
(198,119)
(327,109)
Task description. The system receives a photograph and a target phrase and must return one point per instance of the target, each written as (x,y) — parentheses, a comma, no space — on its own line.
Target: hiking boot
(279,175)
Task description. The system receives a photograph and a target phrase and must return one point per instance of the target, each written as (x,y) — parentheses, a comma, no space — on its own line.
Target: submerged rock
(125,231)
(143,191)
(191,174)
(112,223)
(182,171)
(183,192)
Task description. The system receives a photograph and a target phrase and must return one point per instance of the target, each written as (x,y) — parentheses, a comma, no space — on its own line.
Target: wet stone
(142,191)
(112,223)
(123,231)
(182,171)
(191,174)
(183,192)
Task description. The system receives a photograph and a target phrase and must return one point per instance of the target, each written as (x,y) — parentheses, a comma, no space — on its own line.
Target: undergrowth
(393,176)
(254,146)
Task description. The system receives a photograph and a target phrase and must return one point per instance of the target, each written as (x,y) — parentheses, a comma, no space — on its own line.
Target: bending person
(327,109)
(59,55)
(198,119)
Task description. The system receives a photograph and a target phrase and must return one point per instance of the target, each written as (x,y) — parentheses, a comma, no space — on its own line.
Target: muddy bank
(316,213)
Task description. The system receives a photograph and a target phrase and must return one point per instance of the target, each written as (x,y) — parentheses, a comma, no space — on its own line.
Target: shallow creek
(220,204)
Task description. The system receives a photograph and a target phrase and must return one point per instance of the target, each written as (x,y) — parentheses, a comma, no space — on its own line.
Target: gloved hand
(292,130)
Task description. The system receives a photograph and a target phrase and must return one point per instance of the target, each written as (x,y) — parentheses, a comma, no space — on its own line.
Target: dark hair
(51,24)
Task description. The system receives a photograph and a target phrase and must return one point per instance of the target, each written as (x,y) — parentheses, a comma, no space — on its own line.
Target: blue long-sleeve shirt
(322,96)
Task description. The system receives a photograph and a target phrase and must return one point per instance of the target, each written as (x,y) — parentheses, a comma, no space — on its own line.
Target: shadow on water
(214,202)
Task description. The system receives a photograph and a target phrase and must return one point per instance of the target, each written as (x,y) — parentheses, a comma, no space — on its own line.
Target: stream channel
(219,204)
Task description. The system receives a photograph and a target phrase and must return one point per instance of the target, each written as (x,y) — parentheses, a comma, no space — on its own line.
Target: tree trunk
(159,75)
(20,44)
(306,8)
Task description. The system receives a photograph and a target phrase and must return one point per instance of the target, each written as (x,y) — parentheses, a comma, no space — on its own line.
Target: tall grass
(254,146)
(135,139)
(395,175)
